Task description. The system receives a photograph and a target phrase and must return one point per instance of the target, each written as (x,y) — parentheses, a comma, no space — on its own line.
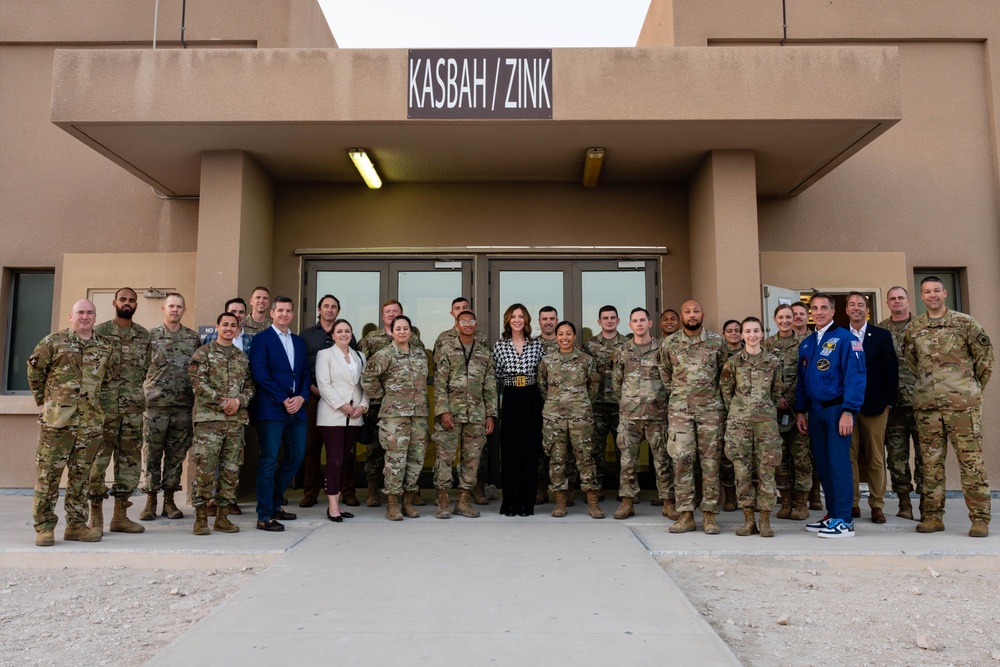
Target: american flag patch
(858,346)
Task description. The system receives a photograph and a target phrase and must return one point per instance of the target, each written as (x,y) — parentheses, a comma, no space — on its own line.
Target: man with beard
(123,402)
(690,364)
(670,322)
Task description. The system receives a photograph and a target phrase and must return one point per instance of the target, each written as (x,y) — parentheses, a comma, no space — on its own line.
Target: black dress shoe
(285,516)
(335,519)
(270,526)
(346,515)
(509,512)
(524,513)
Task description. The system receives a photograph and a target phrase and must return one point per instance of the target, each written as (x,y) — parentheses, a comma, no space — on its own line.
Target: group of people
(731,420)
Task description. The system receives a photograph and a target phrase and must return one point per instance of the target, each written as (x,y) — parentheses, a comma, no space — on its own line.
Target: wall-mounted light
(359,156)
(158,292)
(592,162)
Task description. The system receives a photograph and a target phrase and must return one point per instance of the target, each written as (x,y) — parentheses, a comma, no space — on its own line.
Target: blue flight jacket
(835,369)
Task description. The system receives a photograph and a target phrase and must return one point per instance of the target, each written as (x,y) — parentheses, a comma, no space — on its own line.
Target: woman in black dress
(516,358)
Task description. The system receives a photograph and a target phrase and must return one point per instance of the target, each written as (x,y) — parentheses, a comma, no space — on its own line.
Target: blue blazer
(882,365)
(275,379)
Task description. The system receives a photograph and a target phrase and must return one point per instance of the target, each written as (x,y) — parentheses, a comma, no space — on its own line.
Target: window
(950,278)
(29,319)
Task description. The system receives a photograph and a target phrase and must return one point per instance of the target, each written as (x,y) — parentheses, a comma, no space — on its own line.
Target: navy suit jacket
(274,378)
(882,366)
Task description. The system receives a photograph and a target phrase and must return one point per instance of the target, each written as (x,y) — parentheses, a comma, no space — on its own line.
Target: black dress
(520,424)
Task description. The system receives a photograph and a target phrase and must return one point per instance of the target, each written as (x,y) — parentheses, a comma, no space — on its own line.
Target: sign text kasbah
(480,83)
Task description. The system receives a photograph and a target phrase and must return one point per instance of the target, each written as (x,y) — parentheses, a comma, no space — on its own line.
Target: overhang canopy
(655,111)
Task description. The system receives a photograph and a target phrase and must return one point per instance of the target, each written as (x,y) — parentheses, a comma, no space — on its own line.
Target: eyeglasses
(466,323)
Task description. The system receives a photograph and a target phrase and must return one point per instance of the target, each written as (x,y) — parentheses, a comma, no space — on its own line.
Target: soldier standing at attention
(397,375)
(901,427)
(220,375)
(465,407)
(642,401)
(690,363)
(260,305)
(66,372)
(568,382)
(166,424)
(374,342)
(123,402)
(751,388)
(952,359)
(602,348)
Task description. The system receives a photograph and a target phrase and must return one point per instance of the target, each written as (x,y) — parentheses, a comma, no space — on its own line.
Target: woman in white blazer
(341,406)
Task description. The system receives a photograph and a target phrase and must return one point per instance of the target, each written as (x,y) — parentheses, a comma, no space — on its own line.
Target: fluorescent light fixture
(359,156)
(592,167)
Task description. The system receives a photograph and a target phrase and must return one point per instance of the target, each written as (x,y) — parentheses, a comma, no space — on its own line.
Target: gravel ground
(847,613)
(104,616)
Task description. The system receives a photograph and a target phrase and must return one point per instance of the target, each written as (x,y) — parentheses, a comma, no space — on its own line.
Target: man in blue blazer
(881,394)
(831,387)
(280,367)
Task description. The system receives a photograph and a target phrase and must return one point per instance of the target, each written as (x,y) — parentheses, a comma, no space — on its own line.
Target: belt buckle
(520,381)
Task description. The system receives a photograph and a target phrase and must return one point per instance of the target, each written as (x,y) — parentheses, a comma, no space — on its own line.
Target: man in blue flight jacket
(832,388)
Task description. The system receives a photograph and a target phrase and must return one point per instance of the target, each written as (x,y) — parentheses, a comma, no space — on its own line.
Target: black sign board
(480,83)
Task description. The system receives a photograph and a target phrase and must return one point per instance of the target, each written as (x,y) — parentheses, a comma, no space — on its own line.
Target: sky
(484,23)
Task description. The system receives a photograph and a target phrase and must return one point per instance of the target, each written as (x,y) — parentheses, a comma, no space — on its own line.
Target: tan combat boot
(462,506)
(211,508)
(170,509)
(372,500)
(148,512)
(980,528)
(729,503)
(765,524)
(749,527)
(815,499)
(931,523)
(626,509)
(201,521)
(80,532)
(785,511)
(349,497)
(45,538)
(97,515)
(541,493)
(392,508)
(711,527)
(442,505)
(905,507)
(593,508)
(800,506)
(222,522)
(570,500)
(670,509)
(417,499)
(408,503)
(684,523)
(120,523)
(479,494)
(560,508)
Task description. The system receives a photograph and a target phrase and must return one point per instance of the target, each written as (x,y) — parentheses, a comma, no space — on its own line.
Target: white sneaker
(818,526)
(837,528)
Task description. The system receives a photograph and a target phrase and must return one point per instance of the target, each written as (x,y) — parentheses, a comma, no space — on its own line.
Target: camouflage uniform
(952,360)
(253,328)
(464,386)
(480,338)
(376,341)
(550,345)
(690,368)
(642,405)
(751,386)
(568,384)
(398,380)
(166,424)
(796,456)
(66,374)
(123,402)
(727,473)
(605,406)
(902,424)
(217,372)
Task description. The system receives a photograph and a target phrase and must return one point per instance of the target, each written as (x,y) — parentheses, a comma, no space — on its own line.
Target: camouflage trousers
(405,442)
(123,438)
(963,428)
(605,423)
(375,454)
(72,448)
(559,436)
(630,435)
(166,438)
(572,475)
(472,438)
(217,445)
(696,438)
(754,448)
(796,460)
(899,430)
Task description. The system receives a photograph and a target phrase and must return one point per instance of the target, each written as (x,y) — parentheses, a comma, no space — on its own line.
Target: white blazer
(339,382)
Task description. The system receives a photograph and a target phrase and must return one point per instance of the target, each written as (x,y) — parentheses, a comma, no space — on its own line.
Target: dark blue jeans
(832,455)
(271,484)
